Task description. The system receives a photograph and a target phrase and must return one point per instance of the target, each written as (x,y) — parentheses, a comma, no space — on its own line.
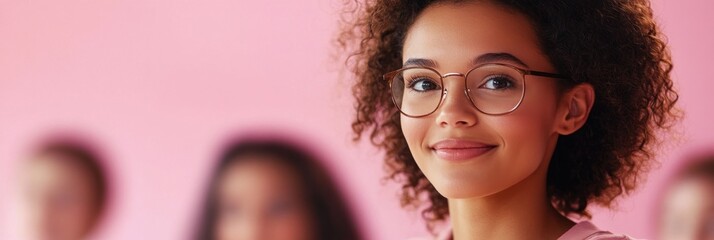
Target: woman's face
(688,211)
(60,199)
(260,198)
(465,153)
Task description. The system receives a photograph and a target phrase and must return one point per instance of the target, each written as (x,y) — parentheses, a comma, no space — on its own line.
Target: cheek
(297,226)
(66,216)
(527,134)
(415,132)
(526,141)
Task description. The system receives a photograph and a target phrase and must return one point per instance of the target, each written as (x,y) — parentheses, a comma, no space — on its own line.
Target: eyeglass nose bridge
(446,91)
(453,74)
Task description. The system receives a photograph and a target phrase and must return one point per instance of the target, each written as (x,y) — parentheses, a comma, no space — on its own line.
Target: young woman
(271,189)
(64,191)
(509,117)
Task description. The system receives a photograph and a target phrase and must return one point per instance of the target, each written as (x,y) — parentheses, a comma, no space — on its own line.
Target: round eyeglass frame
(389,77)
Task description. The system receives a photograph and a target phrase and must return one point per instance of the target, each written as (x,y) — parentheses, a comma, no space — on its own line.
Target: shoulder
(585,230)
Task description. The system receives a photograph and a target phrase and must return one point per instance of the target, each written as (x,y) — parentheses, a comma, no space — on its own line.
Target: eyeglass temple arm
(547,74)
(388,77)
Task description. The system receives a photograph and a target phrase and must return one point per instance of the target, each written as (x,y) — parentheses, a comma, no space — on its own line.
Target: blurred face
(59,198)
(463,152)
(688,211)
(259,198)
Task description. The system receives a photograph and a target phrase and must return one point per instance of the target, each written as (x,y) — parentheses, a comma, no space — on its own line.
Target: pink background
(161,84)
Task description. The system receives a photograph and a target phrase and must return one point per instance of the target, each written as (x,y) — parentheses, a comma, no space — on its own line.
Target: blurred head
(688,207)
(272,190)
(63,192)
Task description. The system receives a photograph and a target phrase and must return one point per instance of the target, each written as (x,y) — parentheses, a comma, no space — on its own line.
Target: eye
(64,199)
(229,211)
(423,84)
(497,82)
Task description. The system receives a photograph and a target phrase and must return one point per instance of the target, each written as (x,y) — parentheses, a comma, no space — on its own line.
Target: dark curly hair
(613,45)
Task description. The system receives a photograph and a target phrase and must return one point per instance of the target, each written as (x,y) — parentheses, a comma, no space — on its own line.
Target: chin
(459,188)
(465,193)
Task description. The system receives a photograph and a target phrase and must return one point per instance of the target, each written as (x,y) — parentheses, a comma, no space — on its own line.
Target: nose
(252,228)
(456,109)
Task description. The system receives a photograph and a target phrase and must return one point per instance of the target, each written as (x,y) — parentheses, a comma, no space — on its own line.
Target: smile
(460,150)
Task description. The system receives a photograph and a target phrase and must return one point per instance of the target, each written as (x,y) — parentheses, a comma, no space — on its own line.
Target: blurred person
(64,192)
(273,190)
(687,211)
(510,118)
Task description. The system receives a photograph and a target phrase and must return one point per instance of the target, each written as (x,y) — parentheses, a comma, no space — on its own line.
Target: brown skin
(486,193)
(259,198)
(60,198)
(273,189)
(594,137)
(688,211)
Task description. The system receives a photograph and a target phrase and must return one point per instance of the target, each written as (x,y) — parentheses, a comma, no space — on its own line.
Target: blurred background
(160,85)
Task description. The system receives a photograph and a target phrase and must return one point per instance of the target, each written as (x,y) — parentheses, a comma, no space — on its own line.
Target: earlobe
(578,102)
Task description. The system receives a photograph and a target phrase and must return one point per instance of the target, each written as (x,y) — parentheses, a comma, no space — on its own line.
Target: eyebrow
(420,62)
(484,58)
(498,57)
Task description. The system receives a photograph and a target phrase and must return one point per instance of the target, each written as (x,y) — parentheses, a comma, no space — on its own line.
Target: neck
(522,211)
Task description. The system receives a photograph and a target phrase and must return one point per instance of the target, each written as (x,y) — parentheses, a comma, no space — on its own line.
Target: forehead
(259,176)
(56,166)
(52,174)
(691,193)
(459,32)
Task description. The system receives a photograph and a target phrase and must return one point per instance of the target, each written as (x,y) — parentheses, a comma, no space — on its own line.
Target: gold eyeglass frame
(389,77)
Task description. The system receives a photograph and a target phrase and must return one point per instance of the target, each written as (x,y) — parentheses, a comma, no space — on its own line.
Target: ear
(575,106)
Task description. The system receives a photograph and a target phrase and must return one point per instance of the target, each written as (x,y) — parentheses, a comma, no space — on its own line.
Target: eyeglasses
(493,88)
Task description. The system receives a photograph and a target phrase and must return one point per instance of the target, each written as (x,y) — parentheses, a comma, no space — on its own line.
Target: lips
(460,150)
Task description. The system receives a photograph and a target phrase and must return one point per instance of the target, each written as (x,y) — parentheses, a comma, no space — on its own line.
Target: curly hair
(613,45)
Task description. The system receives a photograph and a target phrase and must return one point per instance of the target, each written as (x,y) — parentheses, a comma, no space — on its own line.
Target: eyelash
(411,80)
(508,78)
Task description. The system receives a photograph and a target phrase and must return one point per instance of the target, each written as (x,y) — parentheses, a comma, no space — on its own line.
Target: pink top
(584,230)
